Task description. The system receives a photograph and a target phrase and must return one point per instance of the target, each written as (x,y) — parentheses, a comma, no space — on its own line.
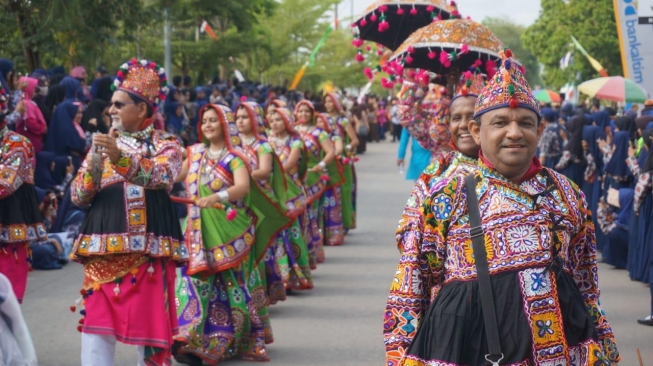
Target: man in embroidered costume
(130,241)
(540,246)
(461,160)
(20,219)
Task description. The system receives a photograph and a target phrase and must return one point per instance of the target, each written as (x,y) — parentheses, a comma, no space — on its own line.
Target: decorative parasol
(390,22)
(459,43)
(547,96)
(614,88)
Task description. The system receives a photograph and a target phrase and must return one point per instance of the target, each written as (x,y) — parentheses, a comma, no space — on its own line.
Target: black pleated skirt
(453,331)
(108,215)
(21,207)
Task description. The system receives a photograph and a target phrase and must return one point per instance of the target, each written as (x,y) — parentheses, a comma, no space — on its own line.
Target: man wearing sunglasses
(130,241)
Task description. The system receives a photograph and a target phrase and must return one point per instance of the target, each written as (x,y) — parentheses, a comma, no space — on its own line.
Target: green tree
(510,33)
(592,22)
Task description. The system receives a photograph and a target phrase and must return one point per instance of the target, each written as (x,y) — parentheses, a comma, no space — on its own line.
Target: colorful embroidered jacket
(518,239)
(149,164)
(430,127)
(16,165)
(452,164)
(16,169)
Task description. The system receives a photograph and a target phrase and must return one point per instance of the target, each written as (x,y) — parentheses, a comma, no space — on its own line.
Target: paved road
(340,321)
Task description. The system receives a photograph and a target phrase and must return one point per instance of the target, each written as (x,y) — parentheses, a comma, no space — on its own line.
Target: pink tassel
(368,73)
(464,49)
(356,159)
(411,49)
(409,59)
(413,11)
(324,178)
(360,57)
(411,74)
(383,8)
(400,11)
(379,53)
(444,59)
(363,22)
(345,160)
(368,48)
(231,214)
(425,78)
(490,68)
(432,55)
(467,75)
(374,17)
(430,8)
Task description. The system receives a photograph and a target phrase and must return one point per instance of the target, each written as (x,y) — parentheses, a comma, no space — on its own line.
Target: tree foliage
(267,40)
(592,22)
(510,33)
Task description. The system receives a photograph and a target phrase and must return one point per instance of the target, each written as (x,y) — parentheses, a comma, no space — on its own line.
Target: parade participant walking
(20,218)
(289,147)
(338,119)
(520,232)
(321,153)
(130,241)
(331,210)
(220,294)
(270,207)
(461,160)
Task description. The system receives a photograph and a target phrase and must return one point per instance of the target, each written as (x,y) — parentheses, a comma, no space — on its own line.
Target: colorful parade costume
(332,216)
(316,184)
(130,241)
(221,302)
(20,218)
(293,261)
(348,188)
(270,207)
(541,254)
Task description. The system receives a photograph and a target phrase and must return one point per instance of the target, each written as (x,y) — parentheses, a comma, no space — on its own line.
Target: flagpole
(166,43)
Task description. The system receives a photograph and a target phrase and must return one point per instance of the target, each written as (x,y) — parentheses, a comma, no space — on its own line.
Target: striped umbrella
(614,88)
(547,96)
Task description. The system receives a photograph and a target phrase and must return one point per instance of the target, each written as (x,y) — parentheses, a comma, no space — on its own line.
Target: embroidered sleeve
(82,189)
(545,142)
(16,166)
(61,187)
(605,218)
(236,163)
(590,168)
(583,263)
(344,122)
(323,136)
(296,144)
(415,123)
(264,148)
(642,186)
(607,154)
(156,172)
(631,161)
(417,278)
(564,161)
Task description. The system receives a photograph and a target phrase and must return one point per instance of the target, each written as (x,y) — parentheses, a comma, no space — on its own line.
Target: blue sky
(524,12)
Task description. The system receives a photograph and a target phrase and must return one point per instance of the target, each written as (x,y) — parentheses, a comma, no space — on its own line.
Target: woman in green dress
(268,175)
(321,173)
(339,121)
(220,296)
(293,253)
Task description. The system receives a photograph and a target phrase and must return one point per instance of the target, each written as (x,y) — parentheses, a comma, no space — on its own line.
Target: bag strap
(485,287)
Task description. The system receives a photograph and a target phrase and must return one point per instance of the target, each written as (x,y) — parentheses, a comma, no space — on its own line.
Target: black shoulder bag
(485,287)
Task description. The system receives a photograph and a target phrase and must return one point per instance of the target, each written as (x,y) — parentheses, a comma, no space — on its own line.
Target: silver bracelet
(224,196)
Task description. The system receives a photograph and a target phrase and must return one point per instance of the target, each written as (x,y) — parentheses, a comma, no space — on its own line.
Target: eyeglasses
(119,105)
